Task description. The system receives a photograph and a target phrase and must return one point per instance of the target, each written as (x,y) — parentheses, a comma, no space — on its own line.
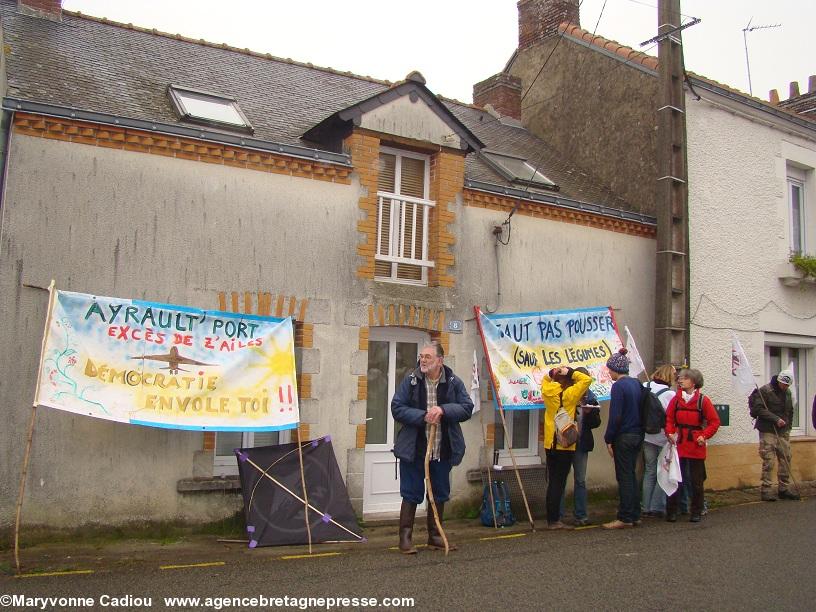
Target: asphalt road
(752,557)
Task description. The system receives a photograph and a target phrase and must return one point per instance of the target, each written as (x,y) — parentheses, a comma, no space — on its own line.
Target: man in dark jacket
(624,438)
(772,407)
(431,394)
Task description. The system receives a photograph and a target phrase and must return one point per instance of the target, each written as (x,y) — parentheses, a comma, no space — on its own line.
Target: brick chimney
(539,19)
(50,9)
(502,91)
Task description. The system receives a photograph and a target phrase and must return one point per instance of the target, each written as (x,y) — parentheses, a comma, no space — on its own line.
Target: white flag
(741,376)
(636,366)
(474,385)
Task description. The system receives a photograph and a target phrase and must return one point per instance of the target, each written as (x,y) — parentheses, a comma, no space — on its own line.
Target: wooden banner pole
(305,494)
(478,312)
(489,470)
(35,403)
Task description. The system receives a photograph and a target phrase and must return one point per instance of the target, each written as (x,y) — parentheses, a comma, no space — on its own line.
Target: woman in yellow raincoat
(562,388)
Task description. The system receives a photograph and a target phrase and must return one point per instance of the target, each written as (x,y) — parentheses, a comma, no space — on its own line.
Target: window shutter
(386,181)
(412,183)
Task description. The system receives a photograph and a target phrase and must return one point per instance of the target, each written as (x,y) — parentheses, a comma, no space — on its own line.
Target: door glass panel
(377,403)
(406,361)
(521,428)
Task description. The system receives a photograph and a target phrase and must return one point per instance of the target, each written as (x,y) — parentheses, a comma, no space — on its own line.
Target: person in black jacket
(589,418)
(772,407)
(431,394)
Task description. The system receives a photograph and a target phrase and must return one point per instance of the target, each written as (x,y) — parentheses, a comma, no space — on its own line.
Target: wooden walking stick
(429,488)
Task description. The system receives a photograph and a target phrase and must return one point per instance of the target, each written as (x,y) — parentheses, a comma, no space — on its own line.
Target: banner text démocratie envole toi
(168,366)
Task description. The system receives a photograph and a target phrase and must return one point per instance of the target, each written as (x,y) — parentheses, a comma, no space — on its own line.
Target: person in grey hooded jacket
(431,394)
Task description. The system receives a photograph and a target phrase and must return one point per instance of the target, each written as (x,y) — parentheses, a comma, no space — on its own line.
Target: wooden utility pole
(672,274)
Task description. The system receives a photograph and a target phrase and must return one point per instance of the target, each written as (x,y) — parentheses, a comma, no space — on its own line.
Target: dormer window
(208,108)
(517,169)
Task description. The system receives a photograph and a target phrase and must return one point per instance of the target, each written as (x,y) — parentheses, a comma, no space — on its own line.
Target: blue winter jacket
(624,408)
(409,407)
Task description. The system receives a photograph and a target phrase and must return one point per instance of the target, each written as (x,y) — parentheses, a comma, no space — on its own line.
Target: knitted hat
(785,377)
(619,362)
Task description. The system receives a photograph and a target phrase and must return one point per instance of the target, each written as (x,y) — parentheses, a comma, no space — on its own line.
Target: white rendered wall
(739,238)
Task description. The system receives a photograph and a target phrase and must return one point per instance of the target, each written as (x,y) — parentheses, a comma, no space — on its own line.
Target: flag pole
(27,454)
(478,312)
(489,469)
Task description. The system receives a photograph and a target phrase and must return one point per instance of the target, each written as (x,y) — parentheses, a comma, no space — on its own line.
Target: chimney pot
(812,83)
(539,19)
(501,91)
(773,97)
(50,9)
(794,89)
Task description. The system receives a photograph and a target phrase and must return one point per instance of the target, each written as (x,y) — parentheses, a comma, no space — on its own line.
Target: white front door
(392,354)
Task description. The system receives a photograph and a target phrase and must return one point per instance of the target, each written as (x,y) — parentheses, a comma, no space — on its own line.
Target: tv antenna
(745,30)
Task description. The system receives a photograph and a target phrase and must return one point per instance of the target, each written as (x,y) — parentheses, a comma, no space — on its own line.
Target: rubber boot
(406,527)
(435,540)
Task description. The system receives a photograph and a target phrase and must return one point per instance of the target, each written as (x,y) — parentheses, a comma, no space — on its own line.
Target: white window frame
(805,383)
(523,456)
(227,465)
(799,184)
(399,204)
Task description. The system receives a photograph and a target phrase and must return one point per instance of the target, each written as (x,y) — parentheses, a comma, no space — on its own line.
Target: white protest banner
(168,366)
(521,348)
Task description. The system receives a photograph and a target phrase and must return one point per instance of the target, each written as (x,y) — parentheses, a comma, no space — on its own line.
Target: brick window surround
(447,175)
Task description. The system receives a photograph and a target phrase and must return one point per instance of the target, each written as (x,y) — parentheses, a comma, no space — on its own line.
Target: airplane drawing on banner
(173,359)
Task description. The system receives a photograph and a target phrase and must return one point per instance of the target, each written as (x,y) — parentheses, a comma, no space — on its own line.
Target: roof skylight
(517,169)
(208,108)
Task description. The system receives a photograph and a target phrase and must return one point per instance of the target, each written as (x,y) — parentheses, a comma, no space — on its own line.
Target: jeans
(654,499)
(558,467)
(685,491)
(412,480)
(579,491)
(694,474)
(626,447)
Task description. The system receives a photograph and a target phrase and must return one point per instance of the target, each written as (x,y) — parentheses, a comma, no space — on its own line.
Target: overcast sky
(455,43)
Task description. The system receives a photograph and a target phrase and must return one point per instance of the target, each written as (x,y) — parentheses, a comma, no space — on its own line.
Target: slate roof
(804,105)
(96,65)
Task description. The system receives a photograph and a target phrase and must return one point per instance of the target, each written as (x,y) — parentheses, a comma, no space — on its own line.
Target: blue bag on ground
(501,506)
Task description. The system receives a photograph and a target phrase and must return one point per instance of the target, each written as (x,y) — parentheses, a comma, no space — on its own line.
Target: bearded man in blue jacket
(431,394)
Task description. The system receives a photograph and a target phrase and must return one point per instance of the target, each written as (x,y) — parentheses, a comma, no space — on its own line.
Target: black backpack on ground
(652,413)
(501,506)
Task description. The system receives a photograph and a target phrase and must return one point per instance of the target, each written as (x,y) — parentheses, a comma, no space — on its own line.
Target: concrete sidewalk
(82,555)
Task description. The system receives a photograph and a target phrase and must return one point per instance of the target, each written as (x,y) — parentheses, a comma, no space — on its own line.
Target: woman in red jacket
(690,421)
